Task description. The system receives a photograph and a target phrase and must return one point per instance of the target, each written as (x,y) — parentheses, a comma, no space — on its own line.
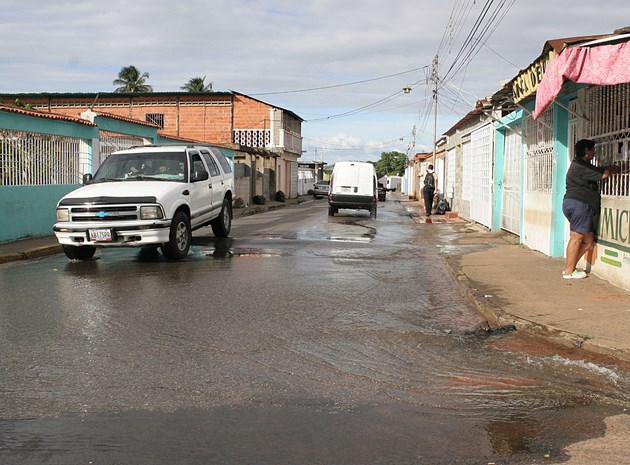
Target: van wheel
(373,212)
(180,238)
(84,252)
(331,211)
(222,224)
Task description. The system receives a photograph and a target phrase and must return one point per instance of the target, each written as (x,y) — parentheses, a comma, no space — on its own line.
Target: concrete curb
(36,252)
(497,315)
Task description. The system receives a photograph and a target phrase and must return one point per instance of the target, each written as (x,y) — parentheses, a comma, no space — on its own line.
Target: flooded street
(301,339)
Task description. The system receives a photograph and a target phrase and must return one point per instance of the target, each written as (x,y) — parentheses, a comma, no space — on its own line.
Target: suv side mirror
(87,179)
(199,175)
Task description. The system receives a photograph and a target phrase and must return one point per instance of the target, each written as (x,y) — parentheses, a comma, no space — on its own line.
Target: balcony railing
(258,138)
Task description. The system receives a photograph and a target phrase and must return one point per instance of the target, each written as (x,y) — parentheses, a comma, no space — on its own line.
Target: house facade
(511,154)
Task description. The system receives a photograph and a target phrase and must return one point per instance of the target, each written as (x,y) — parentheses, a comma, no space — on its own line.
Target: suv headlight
(151,212)
(63,215)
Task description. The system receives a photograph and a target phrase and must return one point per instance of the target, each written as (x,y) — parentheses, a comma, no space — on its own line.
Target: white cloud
(261,46)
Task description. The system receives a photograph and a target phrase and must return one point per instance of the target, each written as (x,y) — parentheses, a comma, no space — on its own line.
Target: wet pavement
(302,339)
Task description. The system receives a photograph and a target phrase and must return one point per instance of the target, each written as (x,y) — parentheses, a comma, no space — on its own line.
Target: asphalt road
(301,339)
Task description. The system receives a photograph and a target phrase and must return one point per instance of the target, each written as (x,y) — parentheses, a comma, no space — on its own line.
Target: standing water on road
(306,340)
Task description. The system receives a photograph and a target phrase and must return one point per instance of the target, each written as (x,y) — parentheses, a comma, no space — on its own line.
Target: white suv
(148,196)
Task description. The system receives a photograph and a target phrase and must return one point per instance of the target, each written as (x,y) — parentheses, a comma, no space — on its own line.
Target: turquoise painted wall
(29,211)
(560,167)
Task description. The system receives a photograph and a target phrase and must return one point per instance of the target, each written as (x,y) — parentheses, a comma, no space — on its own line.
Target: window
(223,161)
(196,163)
(155,118)
(212,165)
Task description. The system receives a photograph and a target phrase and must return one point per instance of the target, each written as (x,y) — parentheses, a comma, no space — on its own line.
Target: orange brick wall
(250,114)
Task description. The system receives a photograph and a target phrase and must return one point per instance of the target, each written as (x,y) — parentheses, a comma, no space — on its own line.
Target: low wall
(29,211)
(611,259)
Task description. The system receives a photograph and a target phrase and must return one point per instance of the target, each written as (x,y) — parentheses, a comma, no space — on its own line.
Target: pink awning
(602,65)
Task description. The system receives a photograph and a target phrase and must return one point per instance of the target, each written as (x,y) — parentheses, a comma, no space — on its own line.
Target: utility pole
(412,148)
(434,77)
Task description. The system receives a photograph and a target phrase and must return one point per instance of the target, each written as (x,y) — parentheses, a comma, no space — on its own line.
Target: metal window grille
(155,118)
(252,137)
(111,142)
(609,127)
(539,153)
(38,159)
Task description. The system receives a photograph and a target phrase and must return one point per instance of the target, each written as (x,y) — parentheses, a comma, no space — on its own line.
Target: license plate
(346,189)
(100,235)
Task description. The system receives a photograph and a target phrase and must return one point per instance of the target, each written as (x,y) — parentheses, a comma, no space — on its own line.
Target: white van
(353,185)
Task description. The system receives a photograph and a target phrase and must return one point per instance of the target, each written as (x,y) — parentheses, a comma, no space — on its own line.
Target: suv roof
(163,148)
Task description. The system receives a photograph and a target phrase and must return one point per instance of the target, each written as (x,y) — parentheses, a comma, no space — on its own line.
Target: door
(216,179)
(512,180)
(200,192)
(481,175)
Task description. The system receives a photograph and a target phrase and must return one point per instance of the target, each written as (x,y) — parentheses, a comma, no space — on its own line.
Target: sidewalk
(512,284)
(507,282)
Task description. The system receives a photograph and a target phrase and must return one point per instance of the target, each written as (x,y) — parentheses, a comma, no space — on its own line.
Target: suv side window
(225,164)
(195,163)
(212,165)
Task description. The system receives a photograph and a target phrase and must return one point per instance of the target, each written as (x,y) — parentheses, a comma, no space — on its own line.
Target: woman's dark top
(583,183)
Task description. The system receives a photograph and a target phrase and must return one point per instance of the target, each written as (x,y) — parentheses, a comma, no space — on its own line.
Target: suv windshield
(141,166)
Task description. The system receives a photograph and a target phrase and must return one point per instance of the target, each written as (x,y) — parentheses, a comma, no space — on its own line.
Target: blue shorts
(580,215)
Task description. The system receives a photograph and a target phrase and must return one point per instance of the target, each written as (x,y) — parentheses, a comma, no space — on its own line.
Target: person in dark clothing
(429,190)
(582,205)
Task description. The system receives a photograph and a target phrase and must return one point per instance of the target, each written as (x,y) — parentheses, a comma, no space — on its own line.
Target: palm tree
(197,84)
(131,80)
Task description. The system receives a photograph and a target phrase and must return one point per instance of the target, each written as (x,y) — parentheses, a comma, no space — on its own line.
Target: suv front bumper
(122,234)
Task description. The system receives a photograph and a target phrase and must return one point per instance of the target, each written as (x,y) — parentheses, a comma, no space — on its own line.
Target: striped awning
(598,65)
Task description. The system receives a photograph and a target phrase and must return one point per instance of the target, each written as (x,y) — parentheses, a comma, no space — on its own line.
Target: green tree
(131,80)
(197,84)
(391,164)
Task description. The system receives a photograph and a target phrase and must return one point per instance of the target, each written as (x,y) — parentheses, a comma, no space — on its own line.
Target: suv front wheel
(179,239)
(84,252)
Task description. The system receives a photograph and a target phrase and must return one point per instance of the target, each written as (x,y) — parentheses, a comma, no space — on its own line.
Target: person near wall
(428,191)
(582,205)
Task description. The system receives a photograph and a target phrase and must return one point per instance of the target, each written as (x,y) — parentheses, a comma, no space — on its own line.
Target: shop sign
(614,236)
(526,83)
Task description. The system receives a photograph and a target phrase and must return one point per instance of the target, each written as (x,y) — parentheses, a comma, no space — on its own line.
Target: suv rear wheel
(222,224)
(179,239)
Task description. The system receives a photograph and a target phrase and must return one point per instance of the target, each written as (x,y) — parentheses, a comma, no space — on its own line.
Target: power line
(358,110)
(312,89)
(486,24)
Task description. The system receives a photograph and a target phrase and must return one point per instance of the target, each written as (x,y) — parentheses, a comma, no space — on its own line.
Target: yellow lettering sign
(527,81)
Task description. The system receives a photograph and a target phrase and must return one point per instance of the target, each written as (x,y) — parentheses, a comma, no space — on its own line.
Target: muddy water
(309,341)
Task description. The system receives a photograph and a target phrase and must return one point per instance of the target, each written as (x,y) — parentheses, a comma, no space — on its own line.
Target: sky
(341,65)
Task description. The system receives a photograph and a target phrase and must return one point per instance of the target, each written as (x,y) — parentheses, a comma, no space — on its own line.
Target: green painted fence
(29,211)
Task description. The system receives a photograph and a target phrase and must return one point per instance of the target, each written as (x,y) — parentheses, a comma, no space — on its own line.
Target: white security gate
(449,190)
(481,175)
(511,189)
(293,187)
